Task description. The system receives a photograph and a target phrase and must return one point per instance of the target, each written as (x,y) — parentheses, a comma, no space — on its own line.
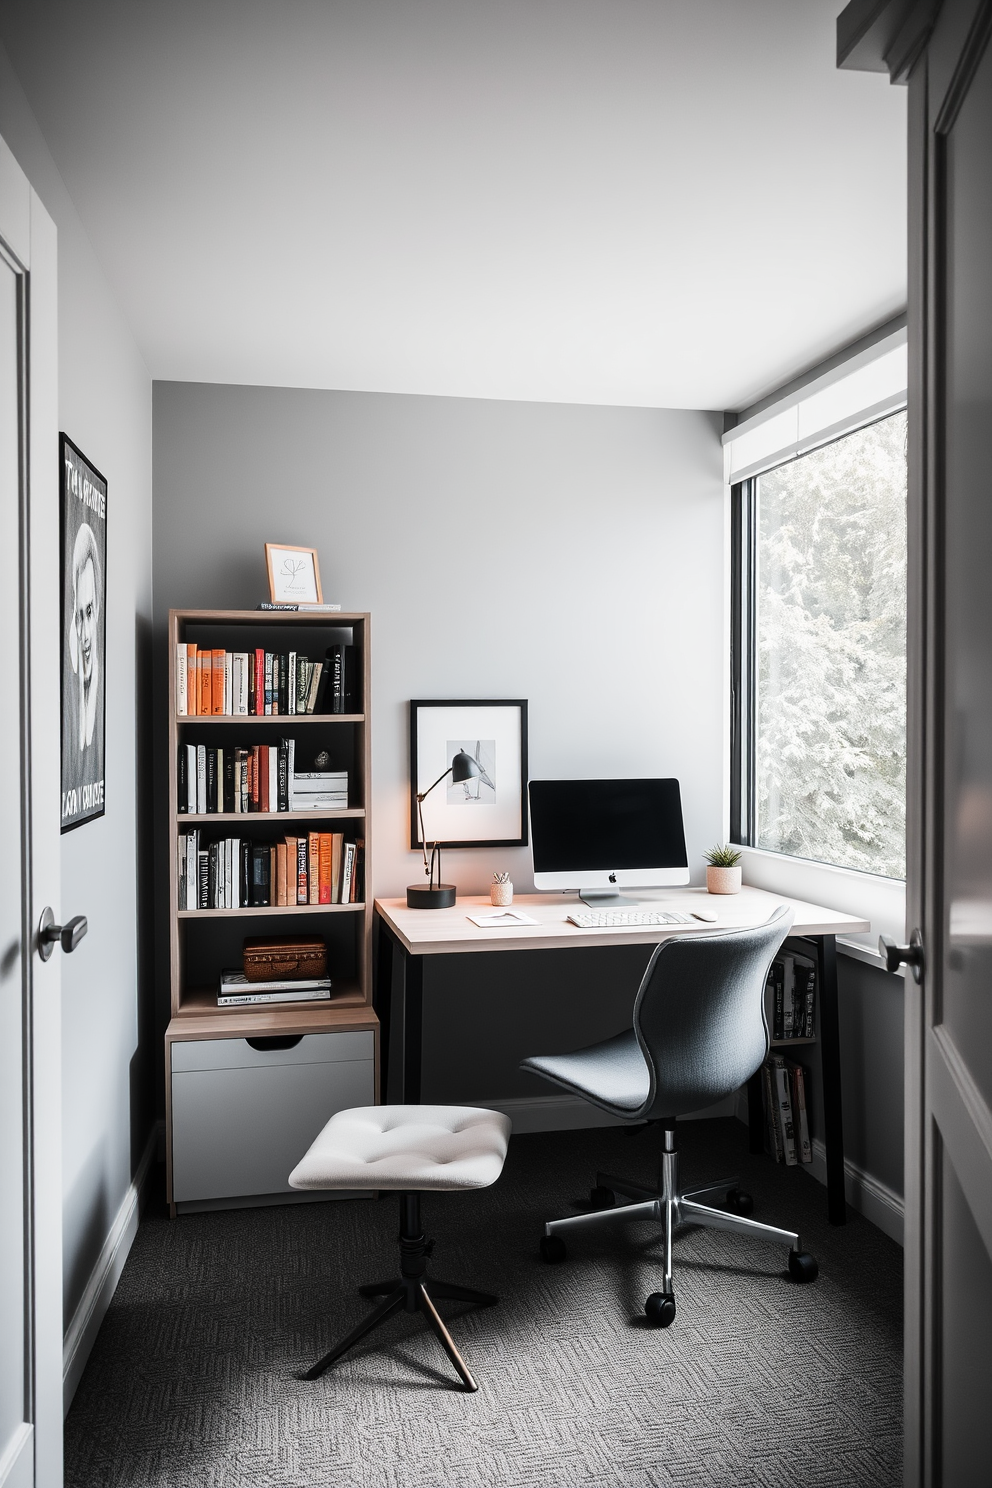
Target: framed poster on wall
(84,635)
(489,810)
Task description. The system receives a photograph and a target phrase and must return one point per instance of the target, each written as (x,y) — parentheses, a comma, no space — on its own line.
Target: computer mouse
(709,915)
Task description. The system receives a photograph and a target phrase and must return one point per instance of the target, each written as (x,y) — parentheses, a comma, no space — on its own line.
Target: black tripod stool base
(411,1291)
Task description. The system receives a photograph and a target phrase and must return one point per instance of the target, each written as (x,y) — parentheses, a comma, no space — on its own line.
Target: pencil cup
(501,893)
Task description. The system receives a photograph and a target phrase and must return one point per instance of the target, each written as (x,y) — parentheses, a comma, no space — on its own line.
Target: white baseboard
(570,1113)
(85,1322)
(879,1204)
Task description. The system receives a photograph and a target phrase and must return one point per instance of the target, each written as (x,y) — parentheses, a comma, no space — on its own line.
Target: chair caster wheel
(552,1249)
(802,1266)
(602,1198)
(739,1202)
(660,1309)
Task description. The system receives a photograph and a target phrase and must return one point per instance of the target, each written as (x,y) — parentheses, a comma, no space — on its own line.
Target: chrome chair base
(671,1207)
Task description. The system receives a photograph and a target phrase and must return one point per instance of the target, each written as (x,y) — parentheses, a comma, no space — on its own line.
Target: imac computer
(602,836)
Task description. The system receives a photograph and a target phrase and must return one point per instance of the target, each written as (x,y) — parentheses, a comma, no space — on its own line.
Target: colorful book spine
(324,872)
(313,867)
(259,683)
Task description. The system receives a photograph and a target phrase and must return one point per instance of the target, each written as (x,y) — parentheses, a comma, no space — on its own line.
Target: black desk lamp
(439,895)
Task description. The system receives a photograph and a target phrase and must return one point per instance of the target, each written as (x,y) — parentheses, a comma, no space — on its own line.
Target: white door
(30,1156)
(949,1015)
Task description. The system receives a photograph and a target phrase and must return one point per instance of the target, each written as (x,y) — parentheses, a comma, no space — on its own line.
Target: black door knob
(67,936)
(910,955)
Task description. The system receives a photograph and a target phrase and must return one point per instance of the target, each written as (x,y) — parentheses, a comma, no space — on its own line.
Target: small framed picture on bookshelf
(84,635)
(486,805)
(294,574)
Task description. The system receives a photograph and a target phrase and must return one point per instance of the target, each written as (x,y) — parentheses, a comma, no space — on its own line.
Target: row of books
(791,997)
(783,1090)
(262,683)
(253,777)
(237,873)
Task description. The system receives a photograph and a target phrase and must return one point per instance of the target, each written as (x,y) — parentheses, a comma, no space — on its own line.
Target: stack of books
(235,989)
(237,873)
(319,790)
(783,1087)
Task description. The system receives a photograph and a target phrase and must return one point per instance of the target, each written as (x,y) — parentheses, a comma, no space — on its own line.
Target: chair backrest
(700,1014)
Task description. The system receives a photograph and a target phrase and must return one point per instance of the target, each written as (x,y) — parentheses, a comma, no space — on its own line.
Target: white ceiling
(677,203)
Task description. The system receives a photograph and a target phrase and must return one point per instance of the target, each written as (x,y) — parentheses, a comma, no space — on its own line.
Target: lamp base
(442,896)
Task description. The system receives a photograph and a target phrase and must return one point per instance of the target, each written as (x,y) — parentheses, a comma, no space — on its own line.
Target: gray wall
(105,407)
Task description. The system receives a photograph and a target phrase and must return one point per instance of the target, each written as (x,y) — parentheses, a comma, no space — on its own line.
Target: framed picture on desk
(488,809)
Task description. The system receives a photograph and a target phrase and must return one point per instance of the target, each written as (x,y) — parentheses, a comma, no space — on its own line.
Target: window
(820,653)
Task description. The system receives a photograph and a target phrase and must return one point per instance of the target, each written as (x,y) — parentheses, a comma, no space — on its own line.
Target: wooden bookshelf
(205,941)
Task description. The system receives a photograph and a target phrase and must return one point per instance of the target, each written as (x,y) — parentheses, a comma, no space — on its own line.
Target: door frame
(30,241)
(942,1101)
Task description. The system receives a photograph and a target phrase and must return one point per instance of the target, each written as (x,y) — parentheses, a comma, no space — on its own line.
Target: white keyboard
(592,919)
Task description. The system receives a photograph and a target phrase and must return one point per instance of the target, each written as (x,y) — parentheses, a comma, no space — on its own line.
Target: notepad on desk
(499,918)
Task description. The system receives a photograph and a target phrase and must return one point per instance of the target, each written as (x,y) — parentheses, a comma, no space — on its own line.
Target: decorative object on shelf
(723,875)
(84,635)
(294,574)
(284,958)
(486,809)
(440,896)
(501,889)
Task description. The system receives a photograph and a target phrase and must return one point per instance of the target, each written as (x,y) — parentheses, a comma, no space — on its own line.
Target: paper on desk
(499,917)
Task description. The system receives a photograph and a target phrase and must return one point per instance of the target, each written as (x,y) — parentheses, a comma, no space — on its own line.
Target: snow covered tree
(831,642)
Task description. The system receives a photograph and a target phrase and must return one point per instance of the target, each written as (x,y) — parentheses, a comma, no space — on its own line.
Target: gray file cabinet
(244,1111)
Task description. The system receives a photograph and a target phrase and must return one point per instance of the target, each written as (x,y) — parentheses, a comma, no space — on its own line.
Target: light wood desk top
(431,932)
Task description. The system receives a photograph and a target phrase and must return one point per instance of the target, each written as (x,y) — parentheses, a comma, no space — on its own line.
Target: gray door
(949,1031)
(30,1167)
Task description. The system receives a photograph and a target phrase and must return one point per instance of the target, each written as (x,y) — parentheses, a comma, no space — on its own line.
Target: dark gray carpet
(759,1381)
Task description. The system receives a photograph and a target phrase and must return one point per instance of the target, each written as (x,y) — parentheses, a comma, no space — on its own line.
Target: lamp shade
(464,767)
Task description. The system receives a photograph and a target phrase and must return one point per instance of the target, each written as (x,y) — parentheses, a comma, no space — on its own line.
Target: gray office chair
(699,1033)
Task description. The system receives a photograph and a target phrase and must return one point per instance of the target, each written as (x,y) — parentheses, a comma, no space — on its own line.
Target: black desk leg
(833,1120)
(413,1026)
(382,997)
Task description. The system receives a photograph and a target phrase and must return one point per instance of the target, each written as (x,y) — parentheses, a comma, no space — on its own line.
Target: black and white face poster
(84,636)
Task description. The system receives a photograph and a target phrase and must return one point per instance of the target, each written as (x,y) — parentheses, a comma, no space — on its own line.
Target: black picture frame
(83,646)
(438,726)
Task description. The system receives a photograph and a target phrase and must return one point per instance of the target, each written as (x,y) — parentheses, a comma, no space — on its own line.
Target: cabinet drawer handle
(275,1041)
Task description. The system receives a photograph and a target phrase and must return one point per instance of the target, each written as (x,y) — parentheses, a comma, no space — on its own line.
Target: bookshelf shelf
(251,720)
(344,1030)
(201,1002)
(339,813)
(251,911)
(785,1043)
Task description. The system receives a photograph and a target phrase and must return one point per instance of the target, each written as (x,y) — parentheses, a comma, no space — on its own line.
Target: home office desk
(416,933)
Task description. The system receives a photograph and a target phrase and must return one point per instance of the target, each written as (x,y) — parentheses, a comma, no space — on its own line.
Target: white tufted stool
(407,1148)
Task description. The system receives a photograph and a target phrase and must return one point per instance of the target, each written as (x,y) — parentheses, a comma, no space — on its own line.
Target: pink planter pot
(723,880)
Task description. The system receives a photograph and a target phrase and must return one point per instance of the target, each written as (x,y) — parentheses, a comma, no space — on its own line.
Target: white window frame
(858,391)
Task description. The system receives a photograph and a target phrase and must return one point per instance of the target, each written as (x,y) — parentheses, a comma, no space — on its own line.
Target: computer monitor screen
(603,836)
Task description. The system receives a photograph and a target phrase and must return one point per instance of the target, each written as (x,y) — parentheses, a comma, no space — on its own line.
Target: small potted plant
(723,872)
